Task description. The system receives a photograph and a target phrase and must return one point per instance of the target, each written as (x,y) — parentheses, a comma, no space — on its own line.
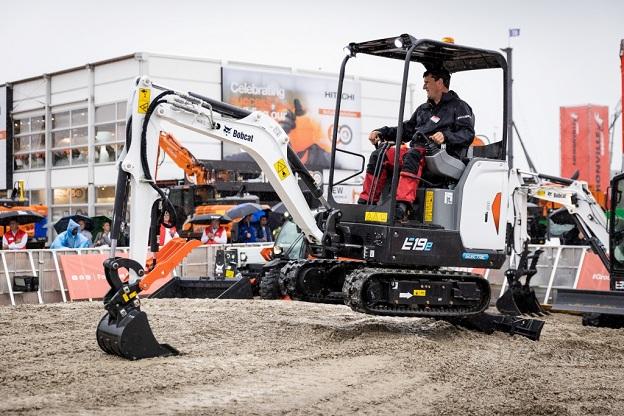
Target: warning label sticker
(282,169)
(144,100)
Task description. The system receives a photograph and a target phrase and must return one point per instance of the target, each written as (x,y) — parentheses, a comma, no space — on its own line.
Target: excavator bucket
(124,330)
(519,298)
(130,337)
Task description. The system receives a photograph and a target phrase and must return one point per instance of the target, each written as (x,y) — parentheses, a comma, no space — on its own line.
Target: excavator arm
(124,329)
(194,171)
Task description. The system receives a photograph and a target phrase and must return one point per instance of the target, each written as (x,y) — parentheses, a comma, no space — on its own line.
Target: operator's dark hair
(437,73)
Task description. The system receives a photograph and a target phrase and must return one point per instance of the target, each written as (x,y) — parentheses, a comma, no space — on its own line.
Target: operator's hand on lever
(438,138)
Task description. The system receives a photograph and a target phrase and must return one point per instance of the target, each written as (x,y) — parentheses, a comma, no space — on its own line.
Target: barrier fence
(559,267)
(60,276)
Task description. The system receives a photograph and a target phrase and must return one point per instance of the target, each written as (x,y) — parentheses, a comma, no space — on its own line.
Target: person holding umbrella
(70,238)
(14,239)
(246,232)
(85,232)
(214,233)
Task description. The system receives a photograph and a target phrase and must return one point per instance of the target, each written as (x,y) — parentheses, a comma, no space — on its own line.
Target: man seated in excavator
(443,119)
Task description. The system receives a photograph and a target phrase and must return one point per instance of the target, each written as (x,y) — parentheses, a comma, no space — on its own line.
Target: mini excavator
(359,254)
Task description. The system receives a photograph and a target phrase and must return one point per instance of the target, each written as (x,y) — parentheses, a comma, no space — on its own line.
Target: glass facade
(29,143)
(110,132)
(69,132)
(69,201)
(69,138)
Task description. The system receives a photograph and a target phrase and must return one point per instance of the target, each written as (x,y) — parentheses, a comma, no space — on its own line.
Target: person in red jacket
(167,230)
(14,239)
(214,234)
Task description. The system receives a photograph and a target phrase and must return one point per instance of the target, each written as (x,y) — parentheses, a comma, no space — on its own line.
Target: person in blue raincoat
(70,238)
(246,232)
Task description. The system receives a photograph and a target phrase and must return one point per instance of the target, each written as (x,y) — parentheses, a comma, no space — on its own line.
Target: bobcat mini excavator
(360,253)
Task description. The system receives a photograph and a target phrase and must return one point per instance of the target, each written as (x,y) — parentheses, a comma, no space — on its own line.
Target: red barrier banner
(85,279)
(593,275)
(585,144)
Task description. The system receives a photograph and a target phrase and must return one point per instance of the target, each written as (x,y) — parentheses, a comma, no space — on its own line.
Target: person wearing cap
(444,119)
(214,234)
(14,239)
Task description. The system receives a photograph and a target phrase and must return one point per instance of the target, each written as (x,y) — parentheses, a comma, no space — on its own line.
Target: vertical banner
(304,107)
(4,111)
(584,138)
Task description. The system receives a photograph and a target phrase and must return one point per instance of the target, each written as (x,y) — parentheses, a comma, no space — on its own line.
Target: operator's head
(166,217)
(436,82)
(247,218)
(13,225)
(263,221)
(82,224)
(214,223)
(106,226)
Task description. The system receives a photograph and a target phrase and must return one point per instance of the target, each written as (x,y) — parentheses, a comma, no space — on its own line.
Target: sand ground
(275,357)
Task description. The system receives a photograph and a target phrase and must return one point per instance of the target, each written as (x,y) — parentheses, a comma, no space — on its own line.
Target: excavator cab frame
(359,222)
(431,54)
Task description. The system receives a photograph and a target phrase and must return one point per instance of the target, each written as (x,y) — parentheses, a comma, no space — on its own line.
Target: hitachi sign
(242,136)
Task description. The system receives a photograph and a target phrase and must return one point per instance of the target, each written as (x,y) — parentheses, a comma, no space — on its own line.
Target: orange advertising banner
(85,279)
(584,139)
(593,275)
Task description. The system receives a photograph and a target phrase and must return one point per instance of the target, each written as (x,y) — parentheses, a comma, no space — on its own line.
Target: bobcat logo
(227,130)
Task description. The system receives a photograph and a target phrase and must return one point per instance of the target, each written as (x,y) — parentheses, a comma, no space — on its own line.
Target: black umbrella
(61,225)
(206,219)
(242,210)
(22,217)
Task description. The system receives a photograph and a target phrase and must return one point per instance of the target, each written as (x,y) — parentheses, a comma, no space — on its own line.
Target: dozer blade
(599,308)
(130,337)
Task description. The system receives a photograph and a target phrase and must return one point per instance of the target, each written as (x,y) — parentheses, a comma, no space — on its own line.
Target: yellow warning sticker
(282,169)
(144,100)
(420,292)
(229,273)
(373,216)
(428,217)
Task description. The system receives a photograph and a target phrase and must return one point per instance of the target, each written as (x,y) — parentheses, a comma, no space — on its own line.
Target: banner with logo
(594,276)
(304,106)
(585,144)
(85,279)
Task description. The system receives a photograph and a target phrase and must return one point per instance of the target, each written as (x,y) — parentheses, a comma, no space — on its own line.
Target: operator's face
(82,224)
(13,225)
(106,227)
(433,88)
(214,223)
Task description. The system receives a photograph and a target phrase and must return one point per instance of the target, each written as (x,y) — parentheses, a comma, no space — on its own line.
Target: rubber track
(355,284)
(289,278)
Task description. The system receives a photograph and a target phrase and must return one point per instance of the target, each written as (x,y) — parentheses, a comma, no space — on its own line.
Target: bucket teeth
(130,337)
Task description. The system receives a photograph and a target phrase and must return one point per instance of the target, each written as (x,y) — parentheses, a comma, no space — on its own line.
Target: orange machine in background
(585,145)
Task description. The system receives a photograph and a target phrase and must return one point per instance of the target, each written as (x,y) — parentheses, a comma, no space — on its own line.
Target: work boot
(362,201)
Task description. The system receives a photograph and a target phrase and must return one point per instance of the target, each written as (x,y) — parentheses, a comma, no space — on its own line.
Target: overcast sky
(567,52)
